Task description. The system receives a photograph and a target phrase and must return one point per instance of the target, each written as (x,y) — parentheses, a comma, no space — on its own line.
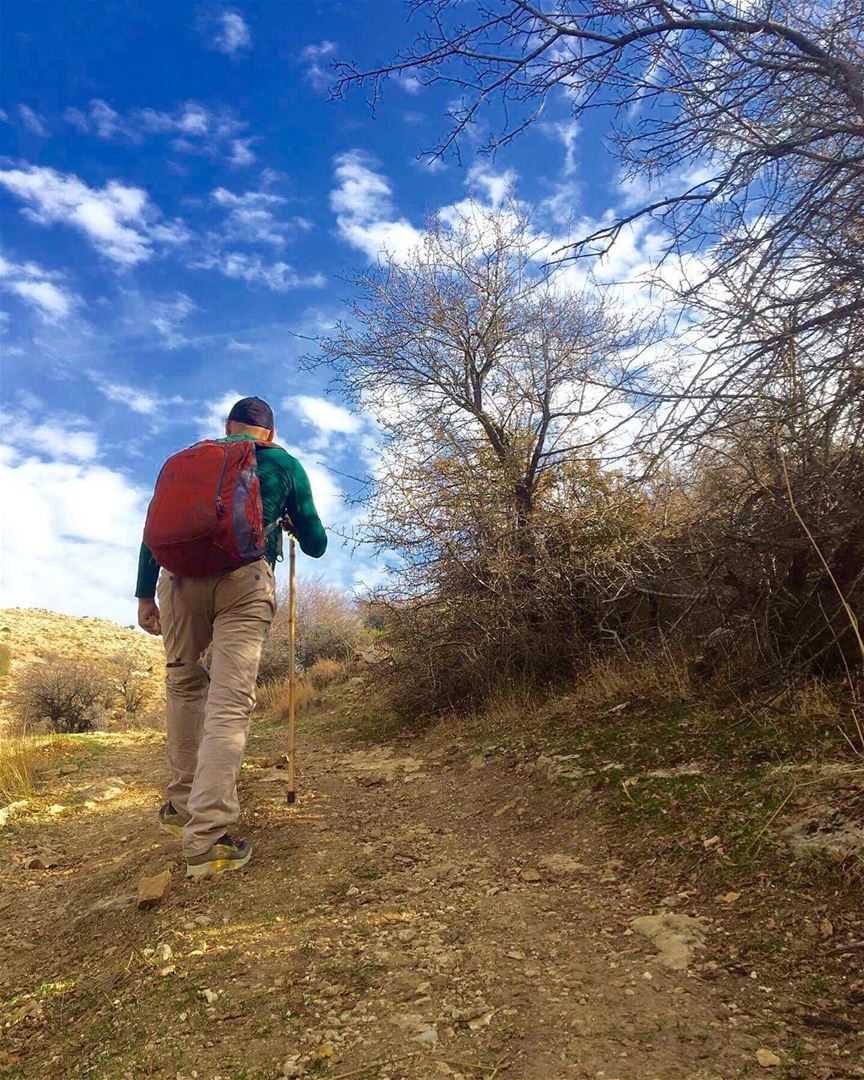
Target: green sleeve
(301,509)
(148,573)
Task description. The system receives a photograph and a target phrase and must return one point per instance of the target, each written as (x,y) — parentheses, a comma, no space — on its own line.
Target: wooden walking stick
(292,672)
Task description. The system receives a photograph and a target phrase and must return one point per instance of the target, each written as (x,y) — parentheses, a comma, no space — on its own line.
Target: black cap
(253,411)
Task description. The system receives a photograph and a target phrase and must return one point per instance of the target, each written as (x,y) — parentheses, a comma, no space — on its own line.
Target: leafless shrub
(330,626)
(131,682)
(68,695)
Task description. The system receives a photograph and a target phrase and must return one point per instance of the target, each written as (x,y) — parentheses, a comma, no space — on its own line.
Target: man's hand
(148,616)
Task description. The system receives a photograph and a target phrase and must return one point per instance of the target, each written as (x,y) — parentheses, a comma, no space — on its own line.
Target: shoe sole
(217,866)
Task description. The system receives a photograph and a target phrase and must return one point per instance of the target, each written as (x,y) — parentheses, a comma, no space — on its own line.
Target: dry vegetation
(65,674)
(587,470)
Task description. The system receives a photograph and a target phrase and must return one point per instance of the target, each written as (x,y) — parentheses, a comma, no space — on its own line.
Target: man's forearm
(148,574)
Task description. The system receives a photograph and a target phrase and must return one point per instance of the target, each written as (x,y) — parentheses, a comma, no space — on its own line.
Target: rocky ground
(422,911)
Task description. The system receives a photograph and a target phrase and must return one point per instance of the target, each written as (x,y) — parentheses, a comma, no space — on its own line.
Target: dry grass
(324,672)
(272,698)
(17,767)
(651,676)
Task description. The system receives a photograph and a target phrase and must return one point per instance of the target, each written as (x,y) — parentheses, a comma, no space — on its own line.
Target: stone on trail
(674,936)
(767,1059)
(560,865)
(531,875)
(13,808)
(153,889)
(40,862)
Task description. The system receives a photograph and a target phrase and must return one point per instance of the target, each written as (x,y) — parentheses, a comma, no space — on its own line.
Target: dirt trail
(417,914)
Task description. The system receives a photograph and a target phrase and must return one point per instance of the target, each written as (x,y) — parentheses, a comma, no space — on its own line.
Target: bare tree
(492,385)
(744,125)
(467,346)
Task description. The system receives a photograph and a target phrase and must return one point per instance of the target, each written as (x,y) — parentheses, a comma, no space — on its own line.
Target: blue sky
(180,204)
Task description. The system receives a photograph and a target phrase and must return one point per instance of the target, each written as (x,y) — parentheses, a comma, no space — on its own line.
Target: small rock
(531,874)
(767,1059)
(373,779)
(153,889)
(353,891)
(428,1037)
(560,865)
(674,936)
(40,862)
(209,996)
(112,903)
(516,954)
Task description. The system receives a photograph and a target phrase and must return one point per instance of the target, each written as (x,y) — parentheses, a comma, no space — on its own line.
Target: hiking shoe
(171,820)
(226,854)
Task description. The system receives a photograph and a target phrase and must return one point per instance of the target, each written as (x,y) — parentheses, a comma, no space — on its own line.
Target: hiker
(214,526)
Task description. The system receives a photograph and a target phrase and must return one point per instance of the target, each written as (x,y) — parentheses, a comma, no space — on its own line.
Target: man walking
(214,527)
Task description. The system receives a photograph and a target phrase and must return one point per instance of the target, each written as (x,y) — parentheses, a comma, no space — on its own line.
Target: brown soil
(402,920)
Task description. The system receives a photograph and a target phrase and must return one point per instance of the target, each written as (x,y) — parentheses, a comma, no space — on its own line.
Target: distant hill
(33,634)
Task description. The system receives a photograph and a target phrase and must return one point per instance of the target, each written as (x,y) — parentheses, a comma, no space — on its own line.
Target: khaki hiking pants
(207,715)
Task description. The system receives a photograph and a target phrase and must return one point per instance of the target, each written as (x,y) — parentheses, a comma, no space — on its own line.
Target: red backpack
(206,514)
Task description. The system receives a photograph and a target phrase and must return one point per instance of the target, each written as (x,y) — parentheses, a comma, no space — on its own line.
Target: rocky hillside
(32,634)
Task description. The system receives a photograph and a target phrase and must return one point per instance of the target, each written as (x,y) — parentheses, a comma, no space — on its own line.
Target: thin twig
(850,614)
(852,946)
(389,1060)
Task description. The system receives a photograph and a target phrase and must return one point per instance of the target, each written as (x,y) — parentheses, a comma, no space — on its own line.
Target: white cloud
(278,276)
(118,220)
(362,203)
(250,217)
(325,416)
(166,317)
(313,57)
(64,441)
(231,33)
(38,288)
(72,544)
(495,186)
(211,421)
(139,401)
(566,132)
(241,152)
(409,84)
(326,493)
(77,119)
(33,121)
(52,302)
(191,128)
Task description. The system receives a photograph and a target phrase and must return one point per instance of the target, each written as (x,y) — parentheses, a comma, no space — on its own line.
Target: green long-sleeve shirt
(284,489)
